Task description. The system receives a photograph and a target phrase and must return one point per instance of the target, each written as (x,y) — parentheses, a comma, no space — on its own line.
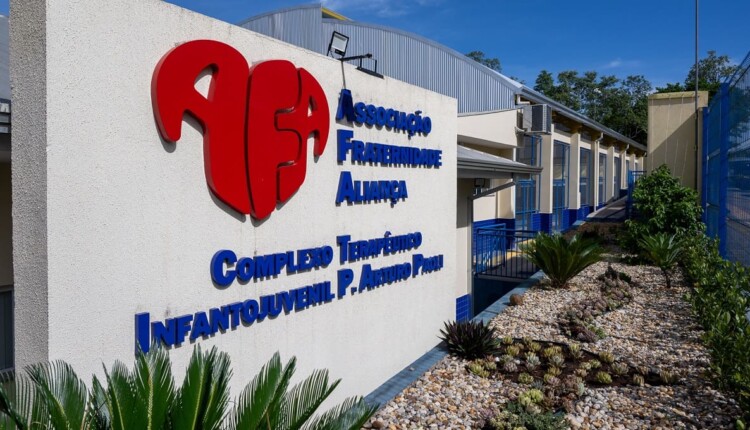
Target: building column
(595,170)
(545,179)
(574,175)
(609,181)
(546,158)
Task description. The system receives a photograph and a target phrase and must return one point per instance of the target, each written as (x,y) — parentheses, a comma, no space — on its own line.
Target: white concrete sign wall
(112,221)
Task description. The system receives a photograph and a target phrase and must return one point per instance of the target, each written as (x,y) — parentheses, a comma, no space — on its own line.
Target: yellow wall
(671,134)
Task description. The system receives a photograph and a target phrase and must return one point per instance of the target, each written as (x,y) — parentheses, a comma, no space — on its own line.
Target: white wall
(114,222)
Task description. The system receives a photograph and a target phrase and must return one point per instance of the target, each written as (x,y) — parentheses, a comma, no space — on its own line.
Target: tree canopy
(620,104)
(712,71)
(479,57)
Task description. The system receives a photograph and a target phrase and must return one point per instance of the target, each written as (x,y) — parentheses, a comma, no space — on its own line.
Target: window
(560,171)
(602,177)
(585,186)
(6,329)
(527,193)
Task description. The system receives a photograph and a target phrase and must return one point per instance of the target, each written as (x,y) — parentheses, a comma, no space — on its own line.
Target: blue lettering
(221,258)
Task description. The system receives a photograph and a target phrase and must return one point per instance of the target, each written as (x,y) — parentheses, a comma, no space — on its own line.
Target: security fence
(726,166)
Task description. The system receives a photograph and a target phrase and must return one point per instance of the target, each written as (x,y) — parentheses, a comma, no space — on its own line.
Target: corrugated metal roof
(401,55)
(482,164)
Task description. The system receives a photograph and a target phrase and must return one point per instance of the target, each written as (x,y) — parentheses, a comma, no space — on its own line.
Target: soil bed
(654,330)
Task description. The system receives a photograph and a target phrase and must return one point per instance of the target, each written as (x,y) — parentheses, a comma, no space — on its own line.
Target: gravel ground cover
(655,330)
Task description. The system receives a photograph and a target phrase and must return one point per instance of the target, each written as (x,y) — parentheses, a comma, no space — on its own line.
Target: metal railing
(633,177)
(498,252)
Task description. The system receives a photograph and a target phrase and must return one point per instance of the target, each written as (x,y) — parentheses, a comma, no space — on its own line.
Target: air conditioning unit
(537,118)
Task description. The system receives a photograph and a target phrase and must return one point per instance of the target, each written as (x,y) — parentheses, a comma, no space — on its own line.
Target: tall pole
(695,178)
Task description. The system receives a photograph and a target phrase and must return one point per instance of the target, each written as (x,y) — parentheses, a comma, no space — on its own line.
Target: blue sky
(621,37)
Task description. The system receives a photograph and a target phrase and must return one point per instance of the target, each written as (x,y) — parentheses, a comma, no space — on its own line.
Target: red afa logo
(256,121)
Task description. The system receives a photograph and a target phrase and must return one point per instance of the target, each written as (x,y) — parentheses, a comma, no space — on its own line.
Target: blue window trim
(585,181)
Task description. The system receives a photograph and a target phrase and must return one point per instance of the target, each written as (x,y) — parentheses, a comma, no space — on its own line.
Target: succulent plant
(550,351)
(551,380)
(554,371)
(575,351)
(603,378)
(505,359)
(595,364)
(668,378)
(532,361)
(537,384)
(585,366)
(510,367)
(531,397)
(572,347)
(581,372)
(525,378)
(469,339)
(507,340)
(490,365)
(643,370)
(478,369)
(574,385)
(534,346)
(527,340)
(619,369)
(606,357)
(638,380)
(513,350)
(557,361)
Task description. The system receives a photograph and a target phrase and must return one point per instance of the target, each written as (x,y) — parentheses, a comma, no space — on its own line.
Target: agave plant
(470,339)
(561,260)
(662,250)
(51,395)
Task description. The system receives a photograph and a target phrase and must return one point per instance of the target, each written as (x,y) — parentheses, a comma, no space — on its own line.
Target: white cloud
(618,63)
(381,8)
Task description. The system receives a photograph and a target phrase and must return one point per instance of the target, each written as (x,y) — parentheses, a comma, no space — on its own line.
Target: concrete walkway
(613,212)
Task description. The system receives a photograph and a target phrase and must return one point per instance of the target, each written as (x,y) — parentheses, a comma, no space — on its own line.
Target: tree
(492,63)
(619,104)
(712,71)
(675,87)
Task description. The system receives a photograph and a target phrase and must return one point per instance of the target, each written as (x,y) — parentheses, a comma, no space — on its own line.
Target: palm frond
(559,259)
(7,408)
(352,414)
(202,399)
(255,400)
(63,392)
(217,397)
(98,415)
(301,402)
(154,387)
(121,399)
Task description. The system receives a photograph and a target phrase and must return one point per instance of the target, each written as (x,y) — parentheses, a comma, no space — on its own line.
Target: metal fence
(633,177)
(726,166)
(498,252)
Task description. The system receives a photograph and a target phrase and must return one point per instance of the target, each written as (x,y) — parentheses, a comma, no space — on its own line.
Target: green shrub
(561,260)
(469,339)
(720,301)
(516,416)
(50,395)
(663,205)
(662,250)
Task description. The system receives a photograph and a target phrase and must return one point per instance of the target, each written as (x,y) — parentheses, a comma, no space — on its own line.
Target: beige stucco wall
(671,133)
